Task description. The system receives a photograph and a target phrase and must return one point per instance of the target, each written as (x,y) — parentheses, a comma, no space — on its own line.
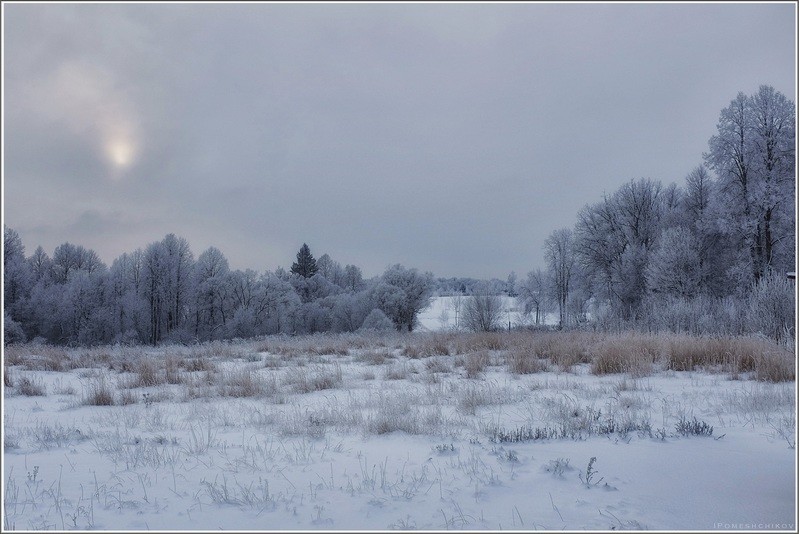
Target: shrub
(377,321)
(771,307)
(12,330)
(694,427)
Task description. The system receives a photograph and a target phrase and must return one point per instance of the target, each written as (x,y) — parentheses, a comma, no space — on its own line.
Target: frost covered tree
(305,265)
(213,295)
(613,240)
(511,284)
(561,261)
(331,270)
(125,297)
(402,293)
(313,288)
(348,312)
(40,266)
(482,310)
(456,304)
(275,305)
(12,330)
(179,265)
(672,207)
(774,168)
(713,247)
(17,276)
(698,191)
(155,274)
(69,257)
(772,309)
(353,278)
(166,287)
(376,321)
(674,268)
(534,295)
(753,157)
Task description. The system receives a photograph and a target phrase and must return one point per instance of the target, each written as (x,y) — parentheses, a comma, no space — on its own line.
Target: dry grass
(372,357)
(30,388)
(15,354)
(304,380)
(200,363)
(245,383)
(767,360)
(398,371)
(474,342)
(98,393)
(521,361)
(426,345)
(777,365)
(147,373)
(126,397)
(438,365)
(634,355)
(8,379)
(172,369)
(475,364)
(569,348)
(308,363)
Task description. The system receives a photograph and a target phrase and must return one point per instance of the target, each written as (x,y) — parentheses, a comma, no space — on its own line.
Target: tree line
(708,256)
(162,293)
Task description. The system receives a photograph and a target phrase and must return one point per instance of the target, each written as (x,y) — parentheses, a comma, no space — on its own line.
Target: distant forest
(708,257)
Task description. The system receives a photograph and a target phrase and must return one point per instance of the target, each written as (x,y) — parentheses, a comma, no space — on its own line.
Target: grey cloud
(449,137)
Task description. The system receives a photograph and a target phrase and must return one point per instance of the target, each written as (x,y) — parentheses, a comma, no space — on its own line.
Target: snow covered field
(442,314)
(423,431)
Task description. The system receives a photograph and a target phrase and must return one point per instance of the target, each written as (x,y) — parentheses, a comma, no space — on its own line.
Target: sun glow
(120,152)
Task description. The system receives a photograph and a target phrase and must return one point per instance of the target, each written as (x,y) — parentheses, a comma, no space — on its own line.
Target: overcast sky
(447,137)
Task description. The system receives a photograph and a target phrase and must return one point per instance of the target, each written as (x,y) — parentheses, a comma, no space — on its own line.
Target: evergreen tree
(305,265)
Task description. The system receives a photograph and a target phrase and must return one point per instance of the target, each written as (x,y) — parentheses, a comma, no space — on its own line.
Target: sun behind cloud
(120,152)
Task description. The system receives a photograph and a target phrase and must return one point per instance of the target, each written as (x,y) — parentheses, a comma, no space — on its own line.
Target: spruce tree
(305,265)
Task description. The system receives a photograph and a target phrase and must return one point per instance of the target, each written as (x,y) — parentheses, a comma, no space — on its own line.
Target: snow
(440,314)
(287,460)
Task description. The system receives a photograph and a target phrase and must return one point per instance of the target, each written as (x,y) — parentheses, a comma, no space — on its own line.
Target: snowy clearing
(423,431)
(443,314)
